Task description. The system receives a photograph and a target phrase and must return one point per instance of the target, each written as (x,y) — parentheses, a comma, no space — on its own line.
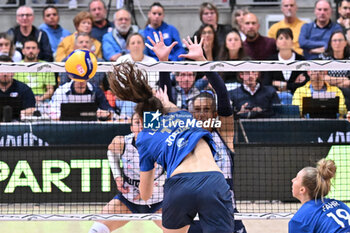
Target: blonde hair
(318,180)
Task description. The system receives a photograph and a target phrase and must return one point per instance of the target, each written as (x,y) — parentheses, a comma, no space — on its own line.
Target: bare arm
(146,184)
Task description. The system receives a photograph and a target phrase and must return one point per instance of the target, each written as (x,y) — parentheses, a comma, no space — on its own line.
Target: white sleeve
(114,163)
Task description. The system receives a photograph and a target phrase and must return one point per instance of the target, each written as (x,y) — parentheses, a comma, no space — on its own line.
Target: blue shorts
(205,193)
(138,209)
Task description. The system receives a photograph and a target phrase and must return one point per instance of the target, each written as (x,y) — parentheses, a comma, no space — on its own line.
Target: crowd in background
(253,94)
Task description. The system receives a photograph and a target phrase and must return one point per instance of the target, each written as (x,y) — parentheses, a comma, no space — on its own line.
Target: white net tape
(220,66)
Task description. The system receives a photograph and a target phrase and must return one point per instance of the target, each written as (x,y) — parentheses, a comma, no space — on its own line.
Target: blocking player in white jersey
(124,161)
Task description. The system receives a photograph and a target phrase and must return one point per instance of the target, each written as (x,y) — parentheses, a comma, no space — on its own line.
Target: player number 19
(340,213)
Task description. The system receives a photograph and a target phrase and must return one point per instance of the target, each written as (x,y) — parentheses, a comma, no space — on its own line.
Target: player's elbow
(145,197)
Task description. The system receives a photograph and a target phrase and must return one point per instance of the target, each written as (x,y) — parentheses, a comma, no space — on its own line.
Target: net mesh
(71,151)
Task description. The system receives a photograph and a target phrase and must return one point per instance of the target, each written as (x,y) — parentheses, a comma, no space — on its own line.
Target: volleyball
(81,65)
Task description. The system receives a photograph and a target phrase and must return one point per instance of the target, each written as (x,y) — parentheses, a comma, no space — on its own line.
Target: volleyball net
(54,162)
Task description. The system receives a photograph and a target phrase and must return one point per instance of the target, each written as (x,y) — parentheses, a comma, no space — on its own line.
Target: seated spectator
(231,51)
(101,26)
(210,45)
(83,41)
(252,100)
(10,87)
(317,87)
(51,26)
(114,42)
(41,83)
(344,17)
(238,20)
(79,92)
(314,36)
(289,9)
(136,45)
(180,90)
(170,33)
(256,46)
(25,30)
(7,47)
(82,23)
(209,14)
(338,49)
(286,82)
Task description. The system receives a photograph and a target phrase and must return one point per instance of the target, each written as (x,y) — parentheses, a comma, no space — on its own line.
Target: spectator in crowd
(286,82)
(170,33)
(344,16)
(210,44)
(317,87)
(289,9)
(79,92)
(252,100)
(114,42)
(314,36)
(256,46)
(238,20)
(101,24)
(182,89)
(54,31)
(209,14)
(8,48)
(42,84)
(231,51)
(83,41)
(136,45)
(338,49)
(10,87)
(82,23)
(25,29)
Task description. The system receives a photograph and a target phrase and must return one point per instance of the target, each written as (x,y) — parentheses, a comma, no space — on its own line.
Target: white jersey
(131,174)
(222,157)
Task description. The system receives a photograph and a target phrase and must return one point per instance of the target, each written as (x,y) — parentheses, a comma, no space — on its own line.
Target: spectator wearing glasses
(25,30)
(101,25)
(51,26)
(209,14)
(114,43)
(210,44)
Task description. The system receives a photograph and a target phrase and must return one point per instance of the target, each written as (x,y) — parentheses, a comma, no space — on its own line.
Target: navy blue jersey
(329,216)
(169,144)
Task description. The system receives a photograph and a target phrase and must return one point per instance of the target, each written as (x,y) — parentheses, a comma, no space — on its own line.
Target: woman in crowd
(186,152)
(317,213)
(7,47)
(210,45)
(286,82)
(237,20)
(338,49)
(83,23)
(209,14)
(232,51)
(122,153)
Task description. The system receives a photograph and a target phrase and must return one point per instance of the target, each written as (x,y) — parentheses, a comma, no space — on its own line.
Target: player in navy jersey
(317,213)
(195,184)
(203,108)
(124,161)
